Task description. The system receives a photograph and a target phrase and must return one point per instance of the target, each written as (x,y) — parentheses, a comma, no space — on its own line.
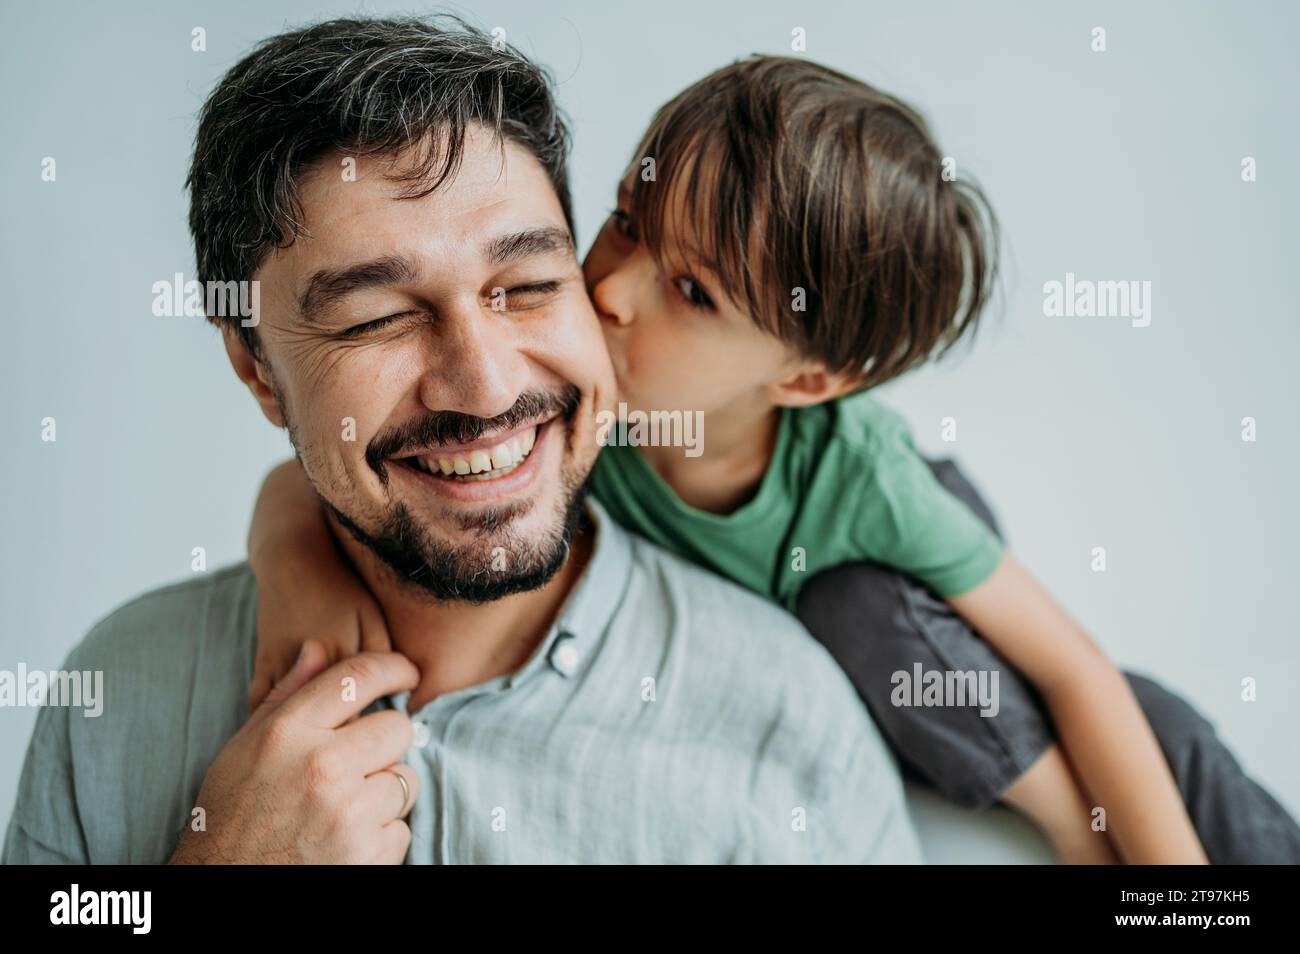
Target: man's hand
(305,781)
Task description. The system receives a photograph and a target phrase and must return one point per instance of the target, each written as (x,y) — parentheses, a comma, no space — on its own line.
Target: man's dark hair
(366,87)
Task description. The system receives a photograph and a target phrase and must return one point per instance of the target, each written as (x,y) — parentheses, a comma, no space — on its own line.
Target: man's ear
(810,382)
(252,372)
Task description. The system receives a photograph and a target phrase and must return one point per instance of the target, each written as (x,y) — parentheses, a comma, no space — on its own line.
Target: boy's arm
(287,517)
(305,588)
(1101,726)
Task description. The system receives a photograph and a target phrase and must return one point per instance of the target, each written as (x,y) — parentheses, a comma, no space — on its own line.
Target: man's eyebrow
(329,285)
(538,241)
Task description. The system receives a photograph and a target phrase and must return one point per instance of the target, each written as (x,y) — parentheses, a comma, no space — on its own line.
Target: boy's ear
(253,373)
(812,383)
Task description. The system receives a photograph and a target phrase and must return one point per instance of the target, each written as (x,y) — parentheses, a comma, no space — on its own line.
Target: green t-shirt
(845,484)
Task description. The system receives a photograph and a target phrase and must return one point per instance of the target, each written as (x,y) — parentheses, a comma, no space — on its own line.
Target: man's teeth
(481,464)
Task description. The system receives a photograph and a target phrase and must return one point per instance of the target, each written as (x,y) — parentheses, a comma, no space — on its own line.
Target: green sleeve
(910,521)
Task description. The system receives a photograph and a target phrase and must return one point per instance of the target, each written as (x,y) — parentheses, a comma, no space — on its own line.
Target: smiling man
(454,329)
(560,690)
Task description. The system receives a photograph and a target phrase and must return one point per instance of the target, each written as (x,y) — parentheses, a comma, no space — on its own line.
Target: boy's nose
(621,318)
(613,299)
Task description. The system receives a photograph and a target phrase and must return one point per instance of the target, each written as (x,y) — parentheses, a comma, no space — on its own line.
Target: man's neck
(456,644)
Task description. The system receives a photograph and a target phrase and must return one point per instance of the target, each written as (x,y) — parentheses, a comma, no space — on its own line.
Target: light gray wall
(1083,432)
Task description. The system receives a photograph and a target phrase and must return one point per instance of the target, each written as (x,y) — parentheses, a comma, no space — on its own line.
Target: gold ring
(406,789)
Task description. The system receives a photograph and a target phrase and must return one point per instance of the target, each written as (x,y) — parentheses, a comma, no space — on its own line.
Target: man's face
(439,366)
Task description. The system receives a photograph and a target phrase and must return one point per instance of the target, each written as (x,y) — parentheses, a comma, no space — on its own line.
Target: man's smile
(493,467)
(481,463)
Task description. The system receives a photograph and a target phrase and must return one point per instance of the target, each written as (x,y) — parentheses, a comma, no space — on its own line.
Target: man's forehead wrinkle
(422,169)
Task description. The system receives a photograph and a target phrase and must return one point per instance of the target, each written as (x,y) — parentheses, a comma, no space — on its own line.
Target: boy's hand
(320,599)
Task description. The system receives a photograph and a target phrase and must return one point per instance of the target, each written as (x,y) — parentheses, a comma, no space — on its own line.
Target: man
(561,690)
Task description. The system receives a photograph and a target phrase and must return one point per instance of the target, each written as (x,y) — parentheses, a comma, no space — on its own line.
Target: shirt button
(565,656)
(421,737)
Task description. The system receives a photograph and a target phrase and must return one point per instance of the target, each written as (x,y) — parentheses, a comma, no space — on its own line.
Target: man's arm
(45,828)
(865,819)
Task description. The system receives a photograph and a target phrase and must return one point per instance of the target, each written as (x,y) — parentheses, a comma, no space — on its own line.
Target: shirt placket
(429,753)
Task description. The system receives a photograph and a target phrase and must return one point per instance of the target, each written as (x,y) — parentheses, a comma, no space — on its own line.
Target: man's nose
(476,367)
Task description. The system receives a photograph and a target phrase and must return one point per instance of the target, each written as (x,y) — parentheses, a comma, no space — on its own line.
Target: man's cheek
(333,445)
(346,412)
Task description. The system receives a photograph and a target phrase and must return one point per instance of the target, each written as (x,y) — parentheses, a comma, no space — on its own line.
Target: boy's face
(675,341)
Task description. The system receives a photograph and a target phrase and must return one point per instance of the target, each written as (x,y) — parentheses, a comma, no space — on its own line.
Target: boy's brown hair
(796,176)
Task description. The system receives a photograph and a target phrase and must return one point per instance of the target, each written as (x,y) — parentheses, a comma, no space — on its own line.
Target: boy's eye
(693,293)
(622,223)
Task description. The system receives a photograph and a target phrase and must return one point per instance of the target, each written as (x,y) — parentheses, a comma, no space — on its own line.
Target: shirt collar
(582,619)
(590,605)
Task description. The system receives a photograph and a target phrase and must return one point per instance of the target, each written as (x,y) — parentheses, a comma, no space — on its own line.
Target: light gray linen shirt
(668,716)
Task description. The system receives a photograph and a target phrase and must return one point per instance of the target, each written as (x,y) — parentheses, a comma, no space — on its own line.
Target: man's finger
(386,795)
(393,842)
(347,687)
(374,740)
(311,661)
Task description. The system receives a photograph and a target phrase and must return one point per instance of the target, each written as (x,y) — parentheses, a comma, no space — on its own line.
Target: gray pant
(875,622)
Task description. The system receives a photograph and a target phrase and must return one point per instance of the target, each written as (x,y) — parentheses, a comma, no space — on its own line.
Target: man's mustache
(453,427)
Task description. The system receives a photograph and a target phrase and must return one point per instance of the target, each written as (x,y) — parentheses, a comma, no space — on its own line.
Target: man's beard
(480,572)
(500,562)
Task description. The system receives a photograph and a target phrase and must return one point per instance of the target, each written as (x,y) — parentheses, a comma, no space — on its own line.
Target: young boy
(783,242)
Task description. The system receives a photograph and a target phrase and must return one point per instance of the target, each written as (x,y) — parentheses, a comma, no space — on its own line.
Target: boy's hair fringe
(779,174)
